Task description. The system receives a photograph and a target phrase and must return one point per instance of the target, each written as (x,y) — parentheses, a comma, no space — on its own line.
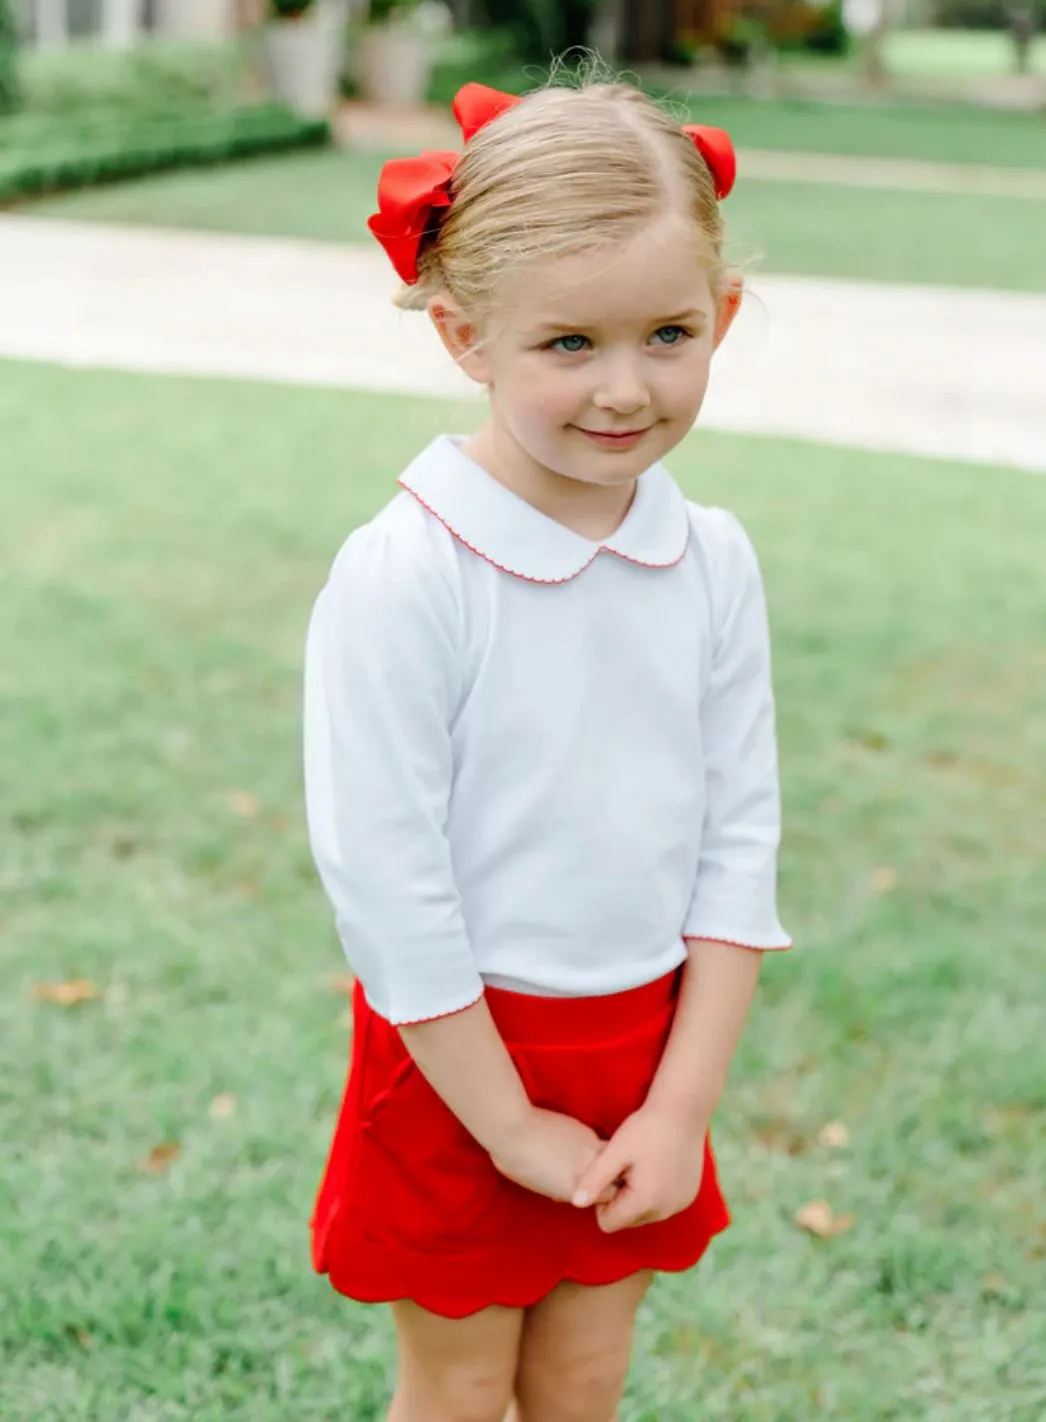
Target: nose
(621,387)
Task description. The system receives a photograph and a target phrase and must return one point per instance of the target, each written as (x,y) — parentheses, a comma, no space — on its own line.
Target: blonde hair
(569,169)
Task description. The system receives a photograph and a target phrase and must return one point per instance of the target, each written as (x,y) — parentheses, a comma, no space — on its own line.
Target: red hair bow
(475,105)
(412,191)
(717,149)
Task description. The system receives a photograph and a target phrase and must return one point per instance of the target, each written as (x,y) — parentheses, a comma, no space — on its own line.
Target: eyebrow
(683,317)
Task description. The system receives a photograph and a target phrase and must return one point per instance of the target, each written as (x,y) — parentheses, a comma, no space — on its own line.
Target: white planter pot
(196,19)
(394,65)
(303,59)
(121,23)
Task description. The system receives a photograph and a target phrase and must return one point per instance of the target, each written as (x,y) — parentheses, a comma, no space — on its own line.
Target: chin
(621,472)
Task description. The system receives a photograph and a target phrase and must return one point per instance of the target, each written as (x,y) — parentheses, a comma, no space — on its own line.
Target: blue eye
(670,335)
(570,345)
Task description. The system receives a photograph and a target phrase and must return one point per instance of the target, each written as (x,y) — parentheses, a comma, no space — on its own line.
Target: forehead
(659,271)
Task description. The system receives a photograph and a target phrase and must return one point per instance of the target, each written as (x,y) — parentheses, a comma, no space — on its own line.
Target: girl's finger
(603,1174)
(620,1214)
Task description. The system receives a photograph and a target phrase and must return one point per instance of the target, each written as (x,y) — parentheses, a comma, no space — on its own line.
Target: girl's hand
(657,1159)
(549,1153)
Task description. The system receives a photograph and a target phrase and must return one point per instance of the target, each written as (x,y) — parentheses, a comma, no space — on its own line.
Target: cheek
(685,383)
(541,394)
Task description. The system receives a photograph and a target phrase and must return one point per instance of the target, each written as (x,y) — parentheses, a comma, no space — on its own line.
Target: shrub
(9,92)
(44,154)
(544,28)
(161,74)
(381,11)
(986,14)
(827,33)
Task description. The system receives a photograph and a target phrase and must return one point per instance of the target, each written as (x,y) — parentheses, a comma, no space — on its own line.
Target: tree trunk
(874,49)
(578,16)
(1022,32)
(647,30)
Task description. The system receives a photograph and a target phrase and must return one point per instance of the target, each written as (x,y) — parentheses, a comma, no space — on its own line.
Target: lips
(615,439)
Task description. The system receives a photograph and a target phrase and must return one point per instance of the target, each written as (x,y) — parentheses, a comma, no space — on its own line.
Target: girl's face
(597,365)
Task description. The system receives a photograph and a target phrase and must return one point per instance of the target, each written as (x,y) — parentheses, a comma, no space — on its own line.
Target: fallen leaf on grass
(161,1157)
(242,802)
(883,880)
(781,1139)
(223,1106)
(816,1218)
(1038,1244)
(835,1136)
(343,983)
(873,741)
(67,994)
(124,846)
(943,760)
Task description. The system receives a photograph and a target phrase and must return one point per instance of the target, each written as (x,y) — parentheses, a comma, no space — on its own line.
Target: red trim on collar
(544,582)
(638,562)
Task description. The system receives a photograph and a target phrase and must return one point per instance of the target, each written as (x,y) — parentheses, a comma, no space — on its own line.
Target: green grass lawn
(812,229)
(941,54)
(941,131)
(945,134)
(159,551)
(936,57)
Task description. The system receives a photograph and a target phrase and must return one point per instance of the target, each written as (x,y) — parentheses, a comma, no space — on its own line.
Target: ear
(460,336)
(727,307)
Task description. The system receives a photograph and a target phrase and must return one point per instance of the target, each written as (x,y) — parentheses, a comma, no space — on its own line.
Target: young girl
(541,770)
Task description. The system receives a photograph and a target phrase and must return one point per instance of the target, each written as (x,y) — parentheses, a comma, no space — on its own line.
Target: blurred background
(204,386)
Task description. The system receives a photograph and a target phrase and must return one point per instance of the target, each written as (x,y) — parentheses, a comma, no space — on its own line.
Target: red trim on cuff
(437,1016)
(732,943)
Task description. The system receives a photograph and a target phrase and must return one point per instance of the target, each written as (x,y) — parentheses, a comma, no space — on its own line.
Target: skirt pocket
(340,1166)
(419,1178)
(601,1083)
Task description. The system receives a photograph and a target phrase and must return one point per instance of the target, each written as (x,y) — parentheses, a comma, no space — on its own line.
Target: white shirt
(532,760)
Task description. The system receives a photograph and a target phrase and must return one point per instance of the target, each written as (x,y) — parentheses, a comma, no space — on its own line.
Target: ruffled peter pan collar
(519,539)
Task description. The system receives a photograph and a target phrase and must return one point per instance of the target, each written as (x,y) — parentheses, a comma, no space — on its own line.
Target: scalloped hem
(457,1288)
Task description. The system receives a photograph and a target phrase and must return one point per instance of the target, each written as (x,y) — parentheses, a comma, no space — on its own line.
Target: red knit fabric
(411,1207)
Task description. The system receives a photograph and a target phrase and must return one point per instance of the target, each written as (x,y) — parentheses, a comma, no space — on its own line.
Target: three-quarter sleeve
(735,895)
(382,677)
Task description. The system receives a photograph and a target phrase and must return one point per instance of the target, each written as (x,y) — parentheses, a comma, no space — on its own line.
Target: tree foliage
(544,28)
(8,57)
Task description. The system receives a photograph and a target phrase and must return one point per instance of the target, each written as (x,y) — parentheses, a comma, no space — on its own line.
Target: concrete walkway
(961,374)
(900,174)
(360,125)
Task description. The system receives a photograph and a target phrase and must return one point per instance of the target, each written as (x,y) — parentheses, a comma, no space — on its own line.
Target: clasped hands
(649,1170)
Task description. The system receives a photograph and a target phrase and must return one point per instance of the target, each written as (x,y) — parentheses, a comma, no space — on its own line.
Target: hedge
(9,90)
(156,73)
(43,154)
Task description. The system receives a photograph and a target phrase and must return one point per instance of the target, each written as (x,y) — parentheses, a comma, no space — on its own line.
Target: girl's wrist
(497,1137)
(690,1107)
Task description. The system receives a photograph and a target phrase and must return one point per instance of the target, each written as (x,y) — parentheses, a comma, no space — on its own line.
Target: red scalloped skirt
(410,1206)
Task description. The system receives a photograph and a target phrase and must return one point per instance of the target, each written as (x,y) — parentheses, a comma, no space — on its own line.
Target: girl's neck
(596,511)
